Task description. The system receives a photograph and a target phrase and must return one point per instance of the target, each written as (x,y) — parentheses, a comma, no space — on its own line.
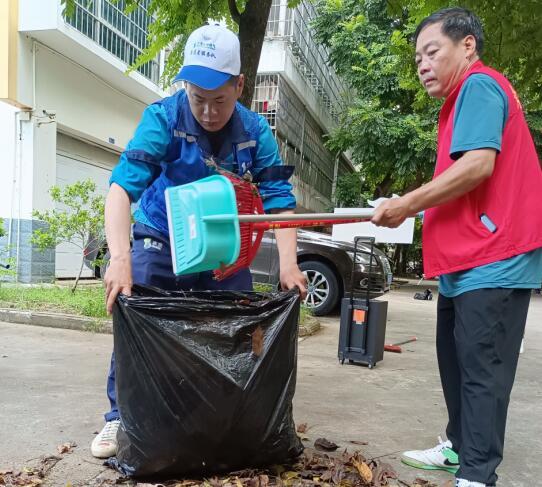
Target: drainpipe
(13,179)
(17,178)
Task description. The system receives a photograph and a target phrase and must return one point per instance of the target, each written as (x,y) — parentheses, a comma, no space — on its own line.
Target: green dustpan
(204,225)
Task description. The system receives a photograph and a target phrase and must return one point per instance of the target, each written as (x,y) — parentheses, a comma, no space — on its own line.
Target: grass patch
(86,301)
(304,313)
(263,288)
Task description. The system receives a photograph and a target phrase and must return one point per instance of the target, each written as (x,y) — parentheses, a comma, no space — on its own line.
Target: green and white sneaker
(441,457)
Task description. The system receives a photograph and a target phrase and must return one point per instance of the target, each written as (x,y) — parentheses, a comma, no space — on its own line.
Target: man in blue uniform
(173,144)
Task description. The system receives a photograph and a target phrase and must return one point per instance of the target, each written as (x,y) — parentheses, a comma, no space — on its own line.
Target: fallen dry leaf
(65,447)
(313,468)
(302,428)
(364,471)
(257,341)
(381,473)
(289,475)
(325,445)
(22,480)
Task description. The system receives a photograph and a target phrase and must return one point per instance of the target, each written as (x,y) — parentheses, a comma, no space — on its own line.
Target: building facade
(301,97)
(69,109)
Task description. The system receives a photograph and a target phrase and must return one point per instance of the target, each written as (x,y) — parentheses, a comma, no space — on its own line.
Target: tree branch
(209,8)
(234,11)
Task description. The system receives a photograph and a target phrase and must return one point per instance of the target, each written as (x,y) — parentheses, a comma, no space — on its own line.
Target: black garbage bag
(205,381)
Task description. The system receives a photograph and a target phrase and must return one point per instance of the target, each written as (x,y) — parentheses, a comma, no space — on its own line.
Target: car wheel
(322,287)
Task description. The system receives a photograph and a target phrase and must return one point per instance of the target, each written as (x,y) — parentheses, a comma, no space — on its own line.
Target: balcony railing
(299,137)
(311,59)
(123,35)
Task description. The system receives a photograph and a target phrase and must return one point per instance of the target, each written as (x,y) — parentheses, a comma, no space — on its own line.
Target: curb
(310,327)
(96,325)
(56,320)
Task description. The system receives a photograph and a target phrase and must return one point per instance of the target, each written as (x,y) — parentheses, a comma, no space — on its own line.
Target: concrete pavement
(52,390)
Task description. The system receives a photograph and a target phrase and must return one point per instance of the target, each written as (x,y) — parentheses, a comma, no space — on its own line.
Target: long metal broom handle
(362,214)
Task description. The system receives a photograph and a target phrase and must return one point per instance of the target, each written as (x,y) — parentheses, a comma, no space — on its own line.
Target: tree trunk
(252,25)
(400,260)
(383,188)
(418,181)
(78,276)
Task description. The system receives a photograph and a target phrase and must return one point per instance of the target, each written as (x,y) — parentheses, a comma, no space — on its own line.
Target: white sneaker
(105,443)
(468,483)
(441,457)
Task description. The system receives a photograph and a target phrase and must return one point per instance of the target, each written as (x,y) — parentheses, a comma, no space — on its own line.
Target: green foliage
(513,38)
(534,119)
(88,301)
(390,127)
(513,44)
(173,22)
(7,264)
(305,313)
(349,190)
(77,218)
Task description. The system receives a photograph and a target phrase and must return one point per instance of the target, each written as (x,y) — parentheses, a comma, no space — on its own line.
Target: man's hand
(117,279)
(290,277)
(290,274)
(392,213)
(465,174)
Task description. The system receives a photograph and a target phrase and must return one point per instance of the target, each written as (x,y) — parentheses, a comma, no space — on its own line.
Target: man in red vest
(482,236)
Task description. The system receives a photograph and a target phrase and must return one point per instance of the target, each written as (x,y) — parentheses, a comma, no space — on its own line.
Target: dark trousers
(151,266)
(479,334)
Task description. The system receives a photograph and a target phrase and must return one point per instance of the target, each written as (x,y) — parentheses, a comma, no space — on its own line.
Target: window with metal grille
(310,58)
(299,136)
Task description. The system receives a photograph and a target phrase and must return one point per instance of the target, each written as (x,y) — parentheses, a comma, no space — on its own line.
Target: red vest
(454,238)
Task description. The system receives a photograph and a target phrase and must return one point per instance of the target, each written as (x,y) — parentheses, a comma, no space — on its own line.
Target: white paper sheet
(345,233)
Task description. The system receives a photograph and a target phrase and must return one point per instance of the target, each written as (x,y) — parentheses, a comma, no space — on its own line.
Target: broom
(253,222)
